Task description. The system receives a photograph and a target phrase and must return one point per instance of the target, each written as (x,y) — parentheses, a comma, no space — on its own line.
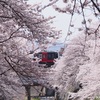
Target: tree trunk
(27,87)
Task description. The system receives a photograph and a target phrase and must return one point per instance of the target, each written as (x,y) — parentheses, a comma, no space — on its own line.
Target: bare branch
(13,68)
(95,6)
(5,71)
(11,35)
(70,20)
(9,17)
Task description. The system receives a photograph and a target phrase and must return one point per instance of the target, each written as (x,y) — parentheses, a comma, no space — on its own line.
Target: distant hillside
(56,47)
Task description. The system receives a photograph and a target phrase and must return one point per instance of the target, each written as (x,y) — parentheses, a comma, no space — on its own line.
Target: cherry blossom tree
(83,13)
(20,27)
(81,51)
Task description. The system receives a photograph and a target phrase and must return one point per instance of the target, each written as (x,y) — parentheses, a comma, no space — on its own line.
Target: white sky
(61,21)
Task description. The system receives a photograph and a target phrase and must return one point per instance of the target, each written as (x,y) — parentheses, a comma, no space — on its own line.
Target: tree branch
(10,35)
(95,6)
(10,17)
(13,68)
(5,71)
(70,20)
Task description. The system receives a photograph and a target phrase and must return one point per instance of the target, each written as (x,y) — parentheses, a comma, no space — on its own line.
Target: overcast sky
(61,21)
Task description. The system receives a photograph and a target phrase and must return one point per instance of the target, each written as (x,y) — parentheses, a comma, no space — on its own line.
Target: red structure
(47,58)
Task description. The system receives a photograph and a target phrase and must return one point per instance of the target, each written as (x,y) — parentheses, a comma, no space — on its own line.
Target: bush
(35,99)
(97,98)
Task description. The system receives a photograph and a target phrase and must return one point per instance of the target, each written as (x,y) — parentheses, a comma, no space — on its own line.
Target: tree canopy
(83,13)
(20,26)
